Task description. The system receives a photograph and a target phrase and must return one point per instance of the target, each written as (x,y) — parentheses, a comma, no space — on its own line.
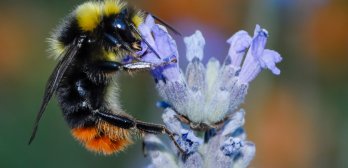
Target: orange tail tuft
(103,143)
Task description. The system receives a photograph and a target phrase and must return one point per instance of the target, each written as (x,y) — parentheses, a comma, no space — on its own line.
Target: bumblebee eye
(119,24)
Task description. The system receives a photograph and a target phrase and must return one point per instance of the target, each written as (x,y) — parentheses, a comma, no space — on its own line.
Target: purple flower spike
(205,98)
(239,43)
(258,57)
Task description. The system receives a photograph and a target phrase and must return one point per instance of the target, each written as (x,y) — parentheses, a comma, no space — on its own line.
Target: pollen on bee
(89,15)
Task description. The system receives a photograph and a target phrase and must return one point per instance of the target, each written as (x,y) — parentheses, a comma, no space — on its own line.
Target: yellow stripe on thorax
(137,19)
(89,15)
(112,7)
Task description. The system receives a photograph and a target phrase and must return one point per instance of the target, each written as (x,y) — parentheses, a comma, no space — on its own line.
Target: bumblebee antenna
(146,42)
(165,24)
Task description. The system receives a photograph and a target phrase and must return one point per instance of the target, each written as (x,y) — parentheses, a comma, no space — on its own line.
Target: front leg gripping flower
(205,97)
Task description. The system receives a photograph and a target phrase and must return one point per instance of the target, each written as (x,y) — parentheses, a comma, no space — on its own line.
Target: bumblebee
(90,46)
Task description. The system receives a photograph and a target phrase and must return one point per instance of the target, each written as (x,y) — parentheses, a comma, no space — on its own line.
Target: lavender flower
(206,97)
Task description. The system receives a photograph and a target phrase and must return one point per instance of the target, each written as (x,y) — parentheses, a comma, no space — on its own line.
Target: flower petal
(159,39)
(189,142)
(212,73)
(259,41)
(145,30)
(166,45)
(239,43)
(171,121)
(236,121)
(158,153)
(214,157)
(195,75)
(232,146)
(194,46)
(192,161)
(269,60)
(247,154)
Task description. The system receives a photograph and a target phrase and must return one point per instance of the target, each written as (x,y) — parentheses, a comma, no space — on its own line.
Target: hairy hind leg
(129,123)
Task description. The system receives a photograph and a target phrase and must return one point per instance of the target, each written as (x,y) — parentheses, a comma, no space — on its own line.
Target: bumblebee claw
(144,149)
(180,149)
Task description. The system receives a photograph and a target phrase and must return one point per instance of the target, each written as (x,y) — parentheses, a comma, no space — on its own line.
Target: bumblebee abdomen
(105,139)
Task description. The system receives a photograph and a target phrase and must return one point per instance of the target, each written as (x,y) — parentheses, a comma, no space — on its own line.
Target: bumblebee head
(120,31)
(112,21)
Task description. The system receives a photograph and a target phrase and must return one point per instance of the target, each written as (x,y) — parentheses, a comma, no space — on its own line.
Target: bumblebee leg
(152,128)
(137,66)
(117,120)
(157,129)
(143,147)
(182,118)
(128,123)
(110,66)
(145,65)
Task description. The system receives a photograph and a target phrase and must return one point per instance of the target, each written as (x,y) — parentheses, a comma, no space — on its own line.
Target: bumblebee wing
(54,80)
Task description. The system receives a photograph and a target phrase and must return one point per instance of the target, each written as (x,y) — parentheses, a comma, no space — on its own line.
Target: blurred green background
(298,119)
